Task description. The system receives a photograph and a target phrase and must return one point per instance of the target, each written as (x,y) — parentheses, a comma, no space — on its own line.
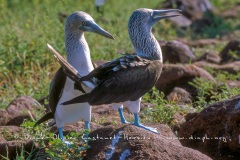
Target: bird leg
(123,120)
(136,123)
(87,126)
(60,132)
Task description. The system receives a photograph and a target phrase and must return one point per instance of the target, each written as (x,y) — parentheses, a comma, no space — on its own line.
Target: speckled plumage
(140,33)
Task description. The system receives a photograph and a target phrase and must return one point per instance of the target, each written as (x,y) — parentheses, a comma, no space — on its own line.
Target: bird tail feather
(79,99)
(46,117)
(69,70)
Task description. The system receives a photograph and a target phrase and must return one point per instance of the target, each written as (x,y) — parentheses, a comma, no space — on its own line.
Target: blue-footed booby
(63,88)
(125,79)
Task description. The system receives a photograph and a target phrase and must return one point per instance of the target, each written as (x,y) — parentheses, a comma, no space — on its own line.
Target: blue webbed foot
(67,143)
(154,130)
(123,120)
(136,123)
(60,131)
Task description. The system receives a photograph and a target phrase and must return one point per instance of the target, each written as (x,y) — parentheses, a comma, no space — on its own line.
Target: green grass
(49,144)
(26,66)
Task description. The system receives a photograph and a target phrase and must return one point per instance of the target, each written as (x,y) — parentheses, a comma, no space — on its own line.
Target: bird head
(139,29)
(79,22)
(149,17)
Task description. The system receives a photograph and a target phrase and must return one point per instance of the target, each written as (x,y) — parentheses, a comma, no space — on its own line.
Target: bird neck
(144,43)
(78,53)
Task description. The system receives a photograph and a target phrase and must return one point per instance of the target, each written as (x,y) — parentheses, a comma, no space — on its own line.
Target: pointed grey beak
(93,27)
(162,14)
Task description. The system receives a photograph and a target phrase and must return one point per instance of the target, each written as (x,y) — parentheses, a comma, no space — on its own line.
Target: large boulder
(20,109)
(200,42)
(215,130)
(210,57)
(191,9)
(131,142)
(176,52)
(179,96)
(231,52)
(232,12)
(181,21)
(233,67)
(179,76)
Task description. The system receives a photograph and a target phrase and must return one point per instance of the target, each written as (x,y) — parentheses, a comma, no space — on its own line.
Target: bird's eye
(84,23)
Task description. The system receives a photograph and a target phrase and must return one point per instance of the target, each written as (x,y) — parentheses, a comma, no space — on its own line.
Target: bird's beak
(162,14)
(93,27)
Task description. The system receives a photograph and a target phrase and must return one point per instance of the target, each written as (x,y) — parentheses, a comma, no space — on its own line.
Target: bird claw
(67,143)
(154,130)
(125,122)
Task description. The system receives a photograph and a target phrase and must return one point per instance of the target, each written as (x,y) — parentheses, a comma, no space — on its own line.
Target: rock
(179,96)
(200,42)
(232,83)
(220,123)
(181,21)
(231,52)
(15,148)
(190,116)
(10,133)
(210,57)
(18,120)
(21,108)
(22,104)
(131,142)
(232,12)
(232,68)
(176,52)
(191,9)
(178,119)
(4,117)
(179,76)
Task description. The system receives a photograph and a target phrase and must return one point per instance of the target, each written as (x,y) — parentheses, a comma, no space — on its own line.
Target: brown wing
(123,79)
(127,83)
(56,88)
(106,69)
(68,69)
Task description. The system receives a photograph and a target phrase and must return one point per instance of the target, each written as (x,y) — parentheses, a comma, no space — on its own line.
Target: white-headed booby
(63,88)
(125,79)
